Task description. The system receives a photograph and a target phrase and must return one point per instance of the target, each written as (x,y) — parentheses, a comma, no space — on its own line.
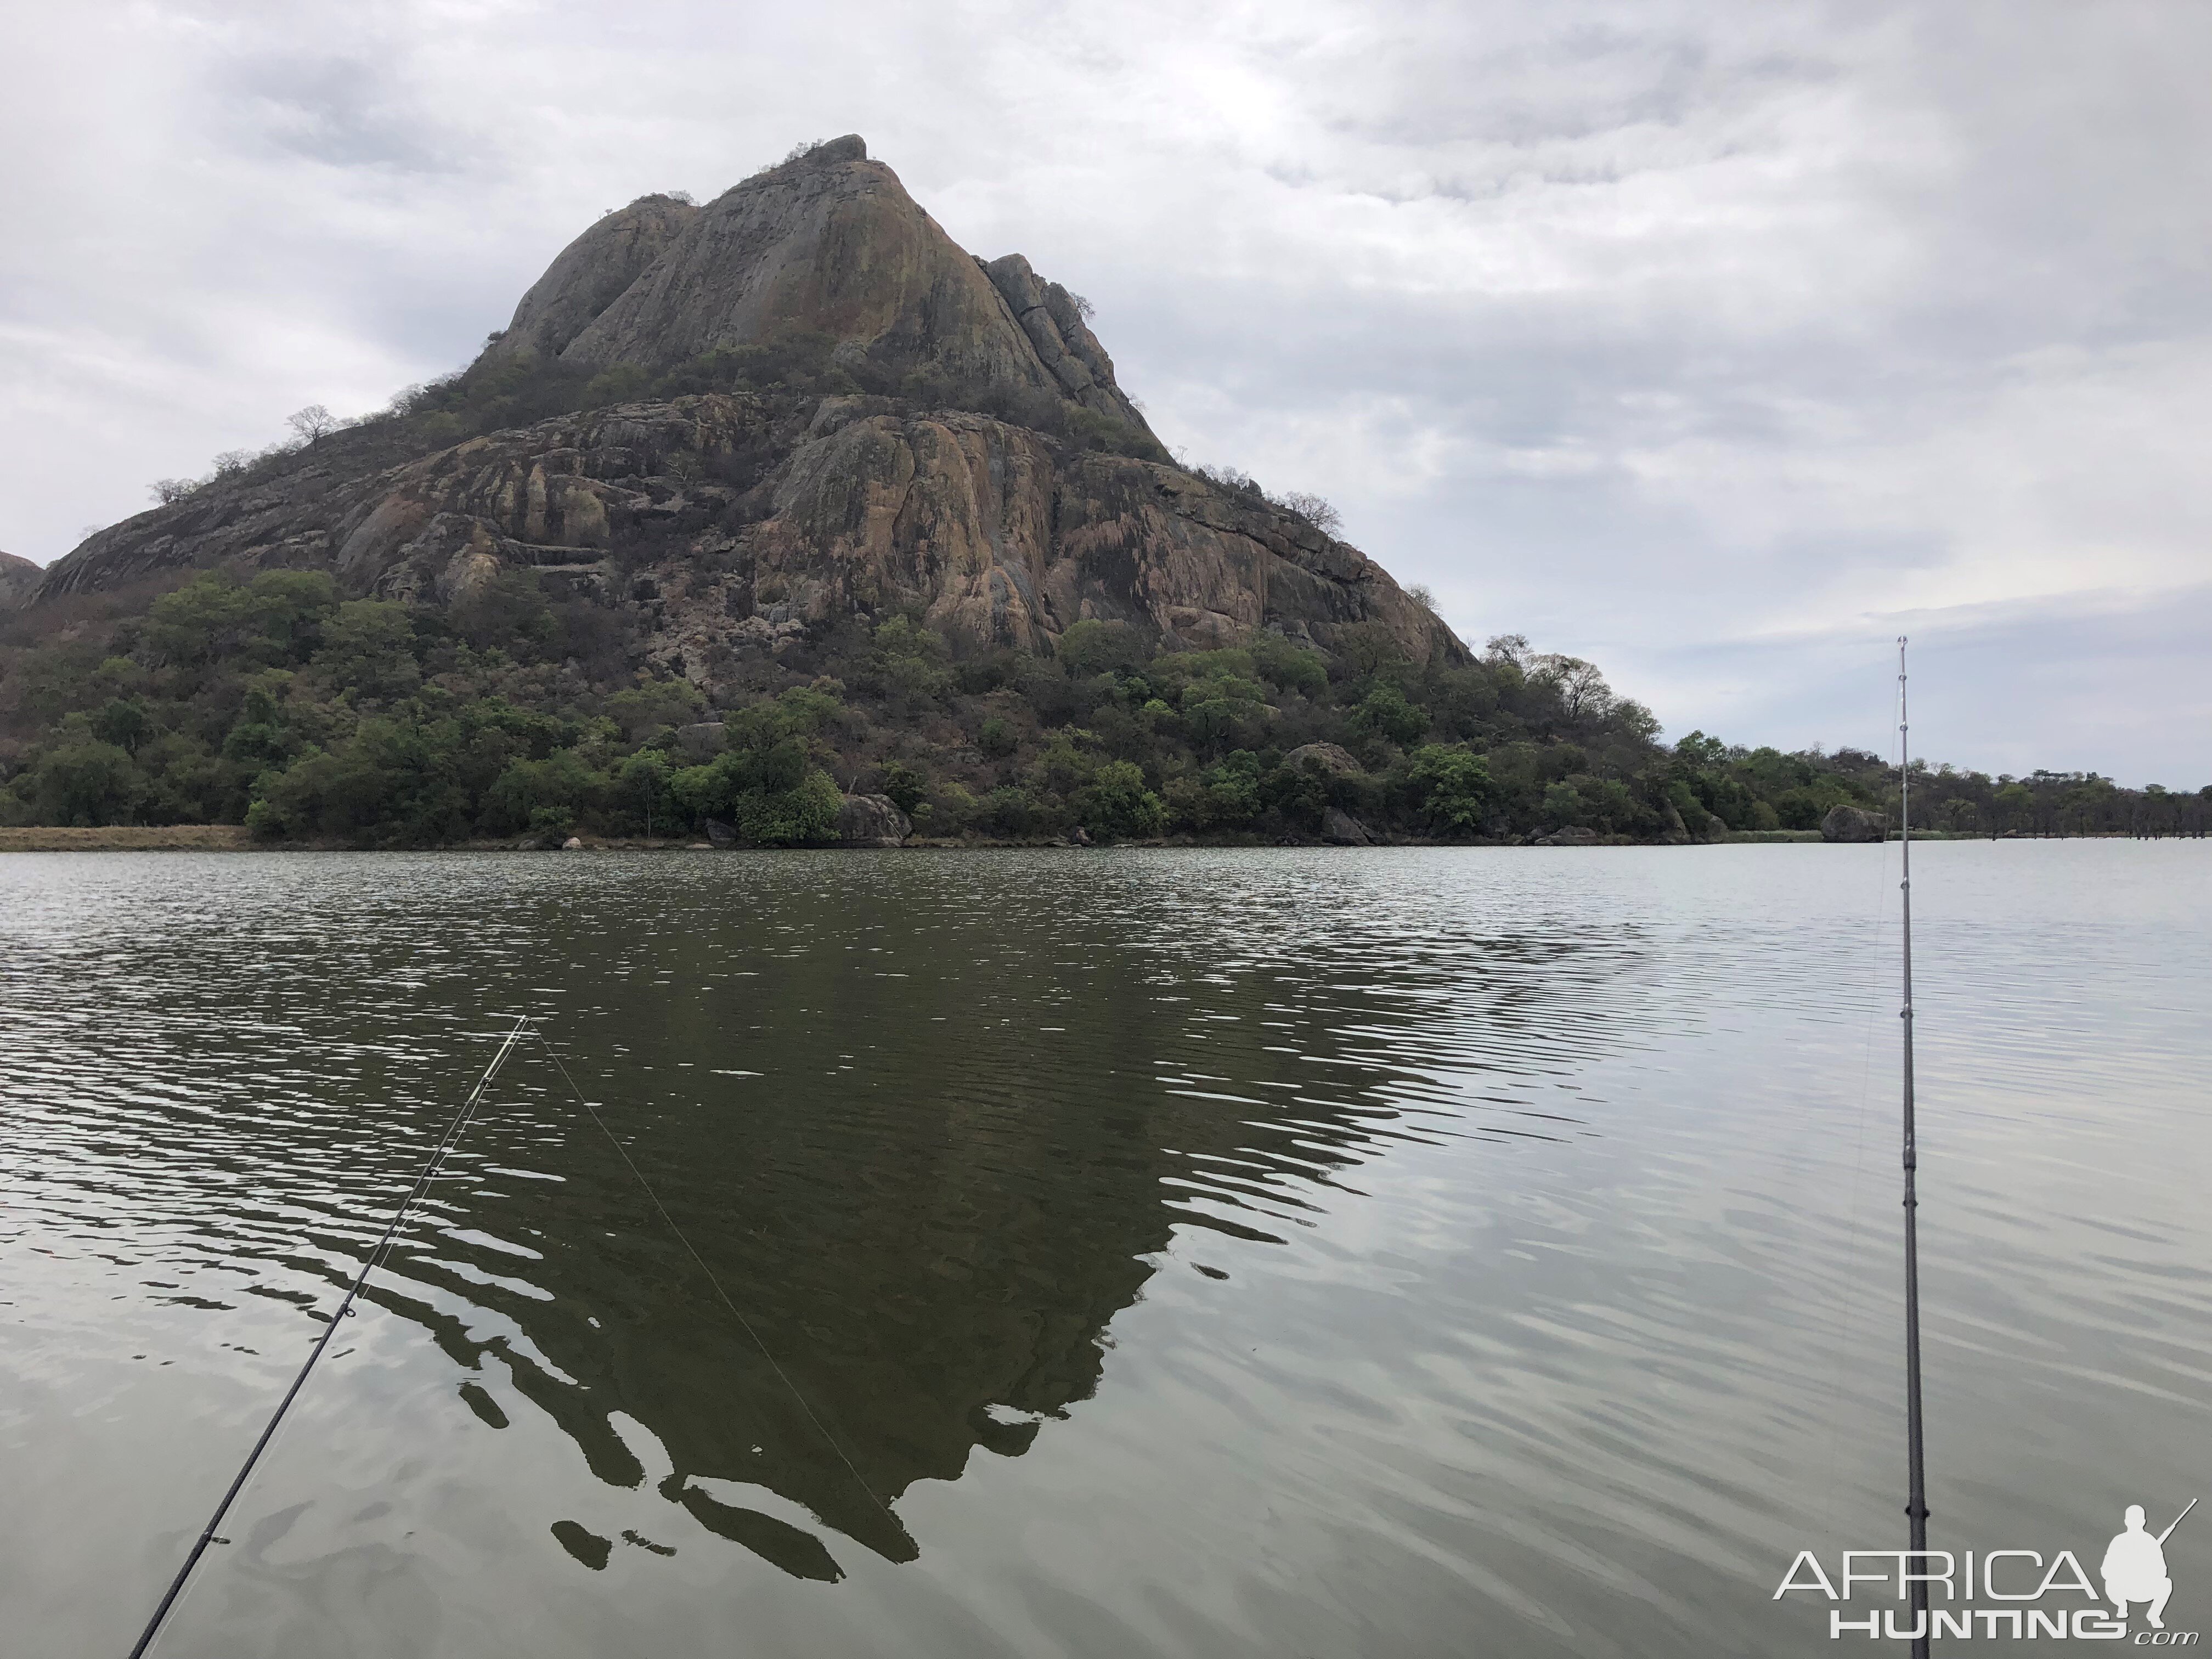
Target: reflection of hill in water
(964,1146)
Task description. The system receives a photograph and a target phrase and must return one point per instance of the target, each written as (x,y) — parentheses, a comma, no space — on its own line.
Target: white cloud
(1679,335)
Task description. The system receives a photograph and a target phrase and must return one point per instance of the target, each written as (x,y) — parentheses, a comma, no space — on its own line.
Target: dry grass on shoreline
(129,838)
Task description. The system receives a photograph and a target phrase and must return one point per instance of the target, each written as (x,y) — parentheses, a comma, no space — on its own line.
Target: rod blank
(422,1185)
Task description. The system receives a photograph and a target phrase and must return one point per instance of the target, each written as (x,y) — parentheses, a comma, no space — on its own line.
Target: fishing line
(422,1185)
(622,1152)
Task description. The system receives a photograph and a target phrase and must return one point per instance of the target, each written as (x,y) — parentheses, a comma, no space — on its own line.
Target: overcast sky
(1717,343)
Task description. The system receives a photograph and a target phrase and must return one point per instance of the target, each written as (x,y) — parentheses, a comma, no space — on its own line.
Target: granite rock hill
(958,449)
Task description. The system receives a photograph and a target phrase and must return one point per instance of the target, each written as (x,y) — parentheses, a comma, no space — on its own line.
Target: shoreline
(235,838)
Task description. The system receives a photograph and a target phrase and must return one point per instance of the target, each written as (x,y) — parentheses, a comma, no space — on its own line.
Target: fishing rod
(1915,1502)
(346,1308)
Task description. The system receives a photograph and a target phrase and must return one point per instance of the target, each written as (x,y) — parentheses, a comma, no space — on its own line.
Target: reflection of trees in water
(929,1205)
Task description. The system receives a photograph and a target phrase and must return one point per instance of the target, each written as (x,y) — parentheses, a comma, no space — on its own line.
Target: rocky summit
(827,242)
(798,403)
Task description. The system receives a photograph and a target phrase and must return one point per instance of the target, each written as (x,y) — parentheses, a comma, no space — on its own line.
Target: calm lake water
(1211,1253)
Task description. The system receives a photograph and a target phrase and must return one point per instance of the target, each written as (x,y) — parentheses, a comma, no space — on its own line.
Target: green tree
(770,790)
(1013,811)
(1091,647)
(123,722)
(1063,766)
(1115,802)
(1385,712)
(1562,805)
(560,785)
(807,812)
(387,784)
(1225,797)
(641,710)
(275,618)
(997,737)
(1223,710)
(368,650)
(86,782)
(1453,786)
(1292,667)
(905,787)
(908,665)
(953,810)
(641,791)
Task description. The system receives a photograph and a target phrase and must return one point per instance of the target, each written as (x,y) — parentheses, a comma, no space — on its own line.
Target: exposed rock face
(1004,538)
(1573,835)
(590,274)
(828,243)
(18,579)
(1063,341)
(998,534)
(734,523)
(872,821)
(1853,823)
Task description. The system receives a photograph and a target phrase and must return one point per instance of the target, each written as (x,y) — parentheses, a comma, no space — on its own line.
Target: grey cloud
(342,112)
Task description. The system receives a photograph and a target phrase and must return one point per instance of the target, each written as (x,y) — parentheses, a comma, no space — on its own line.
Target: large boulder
(1339,828)
(1853,823)
(872,821)
(1573,835)
(1323,757)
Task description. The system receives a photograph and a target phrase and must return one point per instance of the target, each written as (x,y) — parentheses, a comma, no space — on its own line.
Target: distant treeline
(1735,783)
(276,704)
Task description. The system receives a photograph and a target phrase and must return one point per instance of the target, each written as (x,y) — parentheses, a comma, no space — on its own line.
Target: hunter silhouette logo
(2134,1569)
(2009,1593)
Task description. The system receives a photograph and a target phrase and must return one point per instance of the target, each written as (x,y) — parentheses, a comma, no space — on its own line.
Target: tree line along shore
(276,712)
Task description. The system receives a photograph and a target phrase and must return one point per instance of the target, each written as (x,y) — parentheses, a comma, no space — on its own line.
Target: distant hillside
(763,505)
